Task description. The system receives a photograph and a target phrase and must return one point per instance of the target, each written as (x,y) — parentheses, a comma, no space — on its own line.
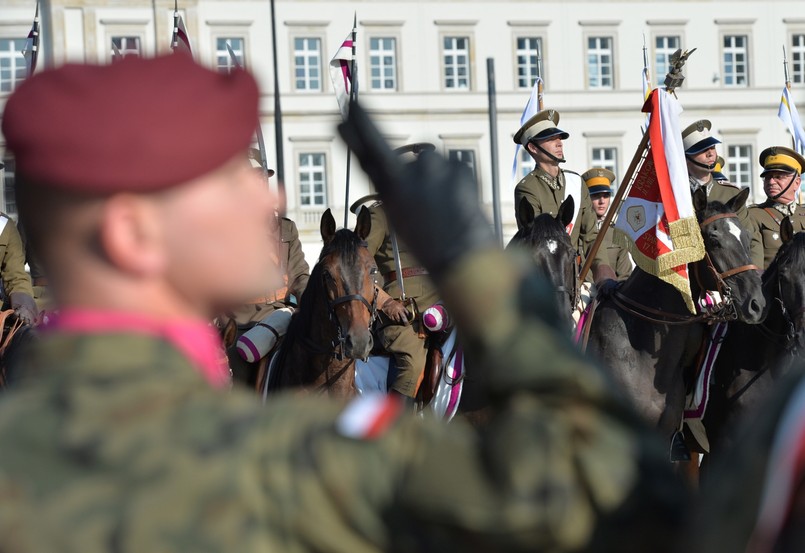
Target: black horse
(647,337)
(544,236)
(754,357)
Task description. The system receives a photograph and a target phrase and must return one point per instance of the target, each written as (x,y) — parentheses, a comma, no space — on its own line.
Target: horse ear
(786,230)
(525,212)
(700,200)
(364,225)
(738,201)
(327,226)
(565,215)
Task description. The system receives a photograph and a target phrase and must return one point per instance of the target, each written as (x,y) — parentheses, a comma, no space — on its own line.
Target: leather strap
(408,272)
(774,214)
(716,218)
(736,270)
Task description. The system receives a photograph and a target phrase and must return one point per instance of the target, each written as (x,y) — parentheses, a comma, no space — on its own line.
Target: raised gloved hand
(24,306)
(432,203)
(395,311)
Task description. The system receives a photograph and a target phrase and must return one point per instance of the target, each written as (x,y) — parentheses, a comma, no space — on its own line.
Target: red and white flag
(180,42)
(657,221)
(342,69)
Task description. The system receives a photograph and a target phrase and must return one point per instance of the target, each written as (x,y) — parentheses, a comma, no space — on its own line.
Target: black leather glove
(431,203)
(24,306)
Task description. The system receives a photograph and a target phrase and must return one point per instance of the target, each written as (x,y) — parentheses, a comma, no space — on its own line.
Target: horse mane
(544,227)
(345,243)
(793,250)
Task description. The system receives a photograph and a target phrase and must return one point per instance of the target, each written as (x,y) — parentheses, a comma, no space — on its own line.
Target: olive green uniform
(296,272)
(546,193)
(767,218)
(402,342)
(118,444)
(12,259)
(723,191)
(614,255)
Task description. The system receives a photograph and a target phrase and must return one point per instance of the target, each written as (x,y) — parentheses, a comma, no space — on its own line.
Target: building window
(599,62)
(9,197)
(606,158)
(223,61)
(528,51)
(664,48)
(383,63)
(798,58)
(525,161)
(464,156)
(12,64)
(307,63)
(739,164)
(126,45)
(312,180)
(456,58)
(736,60)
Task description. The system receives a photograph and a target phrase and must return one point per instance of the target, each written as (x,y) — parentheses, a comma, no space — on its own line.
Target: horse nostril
(755,308)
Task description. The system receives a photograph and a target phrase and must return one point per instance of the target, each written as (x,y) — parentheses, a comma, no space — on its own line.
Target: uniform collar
(555,183)
(787,210)
(196,340)
(695,184)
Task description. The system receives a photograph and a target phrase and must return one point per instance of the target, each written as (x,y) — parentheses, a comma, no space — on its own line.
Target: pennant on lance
(31,51)
(342,68)
(657,221)
(788,114)
(180,42)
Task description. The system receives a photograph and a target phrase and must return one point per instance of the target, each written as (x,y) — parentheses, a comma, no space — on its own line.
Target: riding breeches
(410,354)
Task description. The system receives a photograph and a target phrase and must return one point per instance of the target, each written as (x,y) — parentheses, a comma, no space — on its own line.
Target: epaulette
(728,183)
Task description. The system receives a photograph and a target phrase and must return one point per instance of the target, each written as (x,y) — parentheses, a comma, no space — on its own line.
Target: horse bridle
(728,312)
(340,340)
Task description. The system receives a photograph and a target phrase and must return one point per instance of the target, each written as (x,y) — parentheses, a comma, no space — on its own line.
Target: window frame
(599,33)
(14,82)
(323,62)
(792,32)
(521,33)
(735,32)
(244,61)
(659,80)
(457,33)
(397,51)
(750,161)
(312,150)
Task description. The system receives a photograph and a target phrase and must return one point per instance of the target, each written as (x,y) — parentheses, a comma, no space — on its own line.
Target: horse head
(348,272)
(545,237)
(727,267)
(786,279)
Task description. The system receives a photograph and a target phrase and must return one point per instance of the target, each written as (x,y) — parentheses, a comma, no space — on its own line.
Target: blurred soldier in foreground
(122,440)
(782,177)
(701,157)
(286,254)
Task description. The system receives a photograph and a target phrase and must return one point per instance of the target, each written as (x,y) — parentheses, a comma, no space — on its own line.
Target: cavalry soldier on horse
(782,177)
(701,157)
(547,186)
(125,437)
(599,185)
(289,257)
(413,287)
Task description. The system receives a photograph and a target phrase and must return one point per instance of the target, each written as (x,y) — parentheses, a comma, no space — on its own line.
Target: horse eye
(373,271)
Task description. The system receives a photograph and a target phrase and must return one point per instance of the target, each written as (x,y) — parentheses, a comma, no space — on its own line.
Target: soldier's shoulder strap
(728,184)
(569,172)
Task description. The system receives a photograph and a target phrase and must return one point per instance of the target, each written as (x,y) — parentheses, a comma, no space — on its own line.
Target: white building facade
(422,72)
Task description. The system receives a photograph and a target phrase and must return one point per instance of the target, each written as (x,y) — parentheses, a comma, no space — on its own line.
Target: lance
(672,80)
(353,96)
(278,139)
(785,70)
(493,139)
(261,144)
(541,82)
(645,61)
(175,38)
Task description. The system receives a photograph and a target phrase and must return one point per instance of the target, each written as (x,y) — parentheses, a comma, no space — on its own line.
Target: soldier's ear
(739,200)
(327,226)
(565,215)
(525,212)
(364,224)
(786,230)
(700,200)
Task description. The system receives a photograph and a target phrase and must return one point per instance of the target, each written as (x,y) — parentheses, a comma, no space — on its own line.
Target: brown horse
(332,327)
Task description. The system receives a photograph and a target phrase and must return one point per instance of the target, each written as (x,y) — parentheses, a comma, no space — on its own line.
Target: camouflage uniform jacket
(767,218)
(116,443)
(12,259)
(419,287)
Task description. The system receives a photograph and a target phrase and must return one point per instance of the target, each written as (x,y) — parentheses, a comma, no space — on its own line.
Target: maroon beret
(139,125)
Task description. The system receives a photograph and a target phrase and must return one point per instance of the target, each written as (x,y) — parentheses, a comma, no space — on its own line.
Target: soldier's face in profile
(220,237)
(600,203)
(775,182)
(708,157)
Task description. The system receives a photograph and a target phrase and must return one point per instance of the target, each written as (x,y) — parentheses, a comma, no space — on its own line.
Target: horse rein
(726,312)
(337,346)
